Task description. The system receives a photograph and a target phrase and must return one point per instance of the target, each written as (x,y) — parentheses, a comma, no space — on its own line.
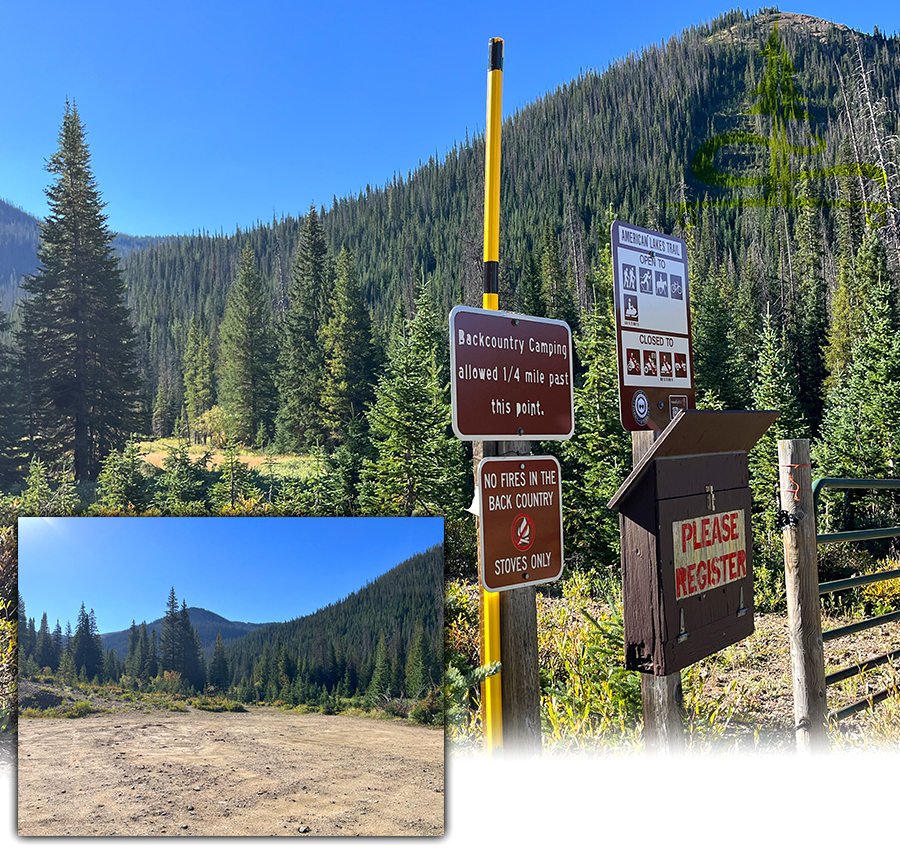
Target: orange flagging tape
(796,490)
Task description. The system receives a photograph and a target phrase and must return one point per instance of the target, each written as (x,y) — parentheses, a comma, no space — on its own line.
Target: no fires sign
(520,520)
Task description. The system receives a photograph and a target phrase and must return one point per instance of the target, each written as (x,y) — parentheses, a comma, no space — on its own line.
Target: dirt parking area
(260,773)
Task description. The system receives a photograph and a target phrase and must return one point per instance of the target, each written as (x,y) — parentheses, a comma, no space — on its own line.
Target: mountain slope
(623,139)
(340,643)
(20,235)
(207,623)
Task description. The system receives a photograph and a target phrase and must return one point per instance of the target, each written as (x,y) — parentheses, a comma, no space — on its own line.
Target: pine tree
(218,667)
(87,655)
(181,487)
(122,481)
(134,636)
(381,675)
(813,317)
(235,483)
(418,664)
(191,665)
(775,388)
(58,646)
(11,430)
(246,355)
(146,654)
(198,377)
(162,412)
(154,654)
(110,667)
(558,297)
(530,299)
(299,424)
(712,322)
(597,458)
(347,343)
(419,468)
(860,435)
(170,652)
(43,651)
(39,498)
(30,641)
(77,339)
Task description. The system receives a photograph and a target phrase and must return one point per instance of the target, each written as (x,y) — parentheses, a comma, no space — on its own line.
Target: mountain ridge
(620,139)
(207,623)
(20,233)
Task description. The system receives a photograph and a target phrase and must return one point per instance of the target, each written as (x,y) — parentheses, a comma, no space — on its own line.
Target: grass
(78,710)
(218,705)
(738,700)
(282,466)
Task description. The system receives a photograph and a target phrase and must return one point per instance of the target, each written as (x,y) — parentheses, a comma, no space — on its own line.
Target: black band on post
(490,277)
(495,55)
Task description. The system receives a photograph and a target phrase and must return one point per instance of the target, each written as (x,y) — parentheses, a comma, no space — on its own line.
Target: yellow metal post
(492,717)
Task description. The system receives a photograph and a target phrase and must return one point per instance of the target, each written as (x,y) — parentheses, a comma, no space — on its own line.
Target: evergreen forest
(768,141)
(381,646)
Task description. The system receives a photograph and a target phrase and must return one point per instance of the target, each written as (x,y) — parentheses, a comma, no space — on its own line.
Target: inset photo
(230,676)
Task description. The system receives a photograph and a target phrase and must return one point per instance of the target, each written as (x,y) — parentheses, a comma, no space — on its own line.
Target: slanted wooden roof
(700,432)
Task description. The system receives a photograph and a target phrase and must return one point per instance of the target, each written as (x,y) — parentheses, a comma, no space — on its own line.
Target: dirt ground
(260,773)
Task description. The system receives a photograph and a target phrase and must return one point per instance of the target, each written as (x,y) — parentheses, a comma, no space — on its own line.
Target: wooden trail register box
(687,544)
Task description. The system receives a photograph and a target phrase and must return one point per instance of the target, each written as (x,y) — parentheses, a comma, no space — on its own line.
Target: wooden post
(519,682)
(661,697)
(801,573)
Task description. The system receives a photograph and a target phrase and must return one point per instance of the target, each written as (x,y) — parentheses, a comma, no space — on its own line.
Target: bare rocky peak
(807,25)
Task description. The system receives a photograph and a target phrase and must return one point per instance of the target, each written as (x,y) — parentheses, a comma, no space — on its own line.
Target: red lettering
(687,531)
(742,563)
(731,566)
(705,526)
(726,528)
(702,574)
(733,517)
(691,579)
(716,531)
(680,580)
(697,544)
(717,569)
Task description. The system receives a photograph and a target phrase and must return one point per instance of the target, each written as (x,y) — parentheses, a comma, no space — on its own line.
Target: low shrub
(78,710)
(884,596)
(429,710)
(222,705)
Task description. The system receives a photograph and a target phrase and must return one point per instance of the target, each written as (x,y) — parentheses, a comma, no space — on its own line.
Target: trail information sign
(520,521)
(653,327)
(511,376)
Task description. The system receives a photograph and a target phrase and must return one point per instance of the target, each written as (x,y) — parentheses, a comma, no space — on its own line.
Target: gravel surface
(260,773)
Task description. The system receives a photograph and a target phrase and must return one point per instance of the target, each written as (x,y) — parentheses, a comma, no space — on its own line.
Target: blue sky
(217,115)
(263,569)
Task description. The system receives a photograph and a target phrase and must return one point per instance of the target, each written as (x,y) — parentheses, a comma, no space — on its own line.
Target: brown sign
(520,521)
(511,376)
(687,541)
(653,327)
